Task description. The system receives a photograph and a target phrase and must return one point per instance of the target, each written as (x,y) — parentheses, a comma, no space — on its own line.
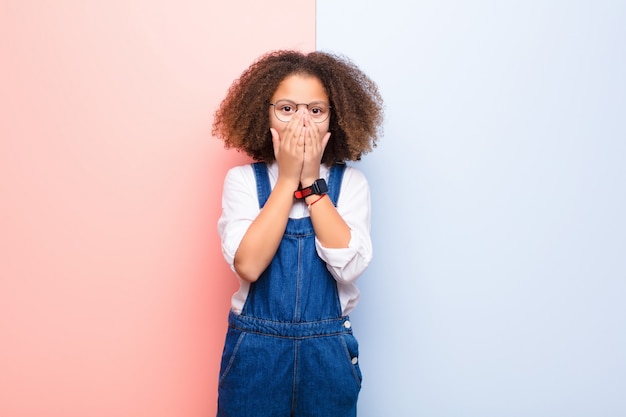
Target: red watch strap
(303,193)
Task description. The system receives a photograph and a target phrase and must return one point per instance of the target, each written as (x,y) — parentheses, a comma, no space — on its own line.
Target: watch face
(320,186)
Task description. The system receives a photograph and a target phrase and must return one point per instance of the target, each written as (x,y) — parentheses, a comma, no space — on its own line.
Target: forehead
(301,88)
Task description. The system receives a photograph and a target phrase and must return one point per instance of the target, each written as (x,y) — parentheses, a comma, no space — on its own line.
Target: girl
(295,230)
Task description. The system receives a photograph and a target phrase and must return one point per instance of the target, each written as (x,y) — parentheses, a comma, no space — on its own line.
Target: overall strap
(334,181)
(263,187)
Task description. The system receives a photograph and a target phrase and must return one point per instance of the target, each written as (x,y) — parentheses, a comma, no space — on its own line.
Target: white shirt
(240,206)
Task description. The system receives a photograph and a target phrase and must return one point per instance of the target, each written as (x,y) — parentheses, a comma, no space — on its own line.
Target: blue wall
(499,277)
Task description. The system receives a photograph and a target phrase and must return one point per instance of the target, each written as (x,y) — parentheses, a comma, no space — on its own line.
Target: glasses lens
(285,110)
(319,112)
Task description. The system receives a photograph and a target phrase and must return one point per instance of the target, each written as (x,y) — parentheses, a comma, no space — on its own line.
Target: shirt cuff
(345,264)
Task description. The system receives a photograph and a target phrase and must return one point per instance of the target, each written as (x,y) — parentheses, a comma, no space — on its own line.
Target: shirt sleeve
(240,206)
(346,264)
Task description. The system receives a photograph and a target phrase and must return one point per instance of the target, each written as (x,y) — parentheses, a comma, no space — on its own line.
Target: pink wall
(114,293)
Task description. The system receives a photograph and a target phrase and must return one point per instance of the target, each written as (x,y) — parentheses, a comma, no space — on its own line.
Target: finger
(294,129)
(317,135)
(314,126)
(303,139)
(314,139)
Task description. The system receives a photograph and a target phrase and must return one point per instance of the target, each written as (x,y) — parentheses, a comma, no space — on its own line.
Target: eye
(318,110)
(286,107)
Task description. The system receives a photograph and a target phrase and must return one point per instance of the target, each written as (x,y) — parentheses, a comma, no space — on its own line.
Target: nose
(305,106)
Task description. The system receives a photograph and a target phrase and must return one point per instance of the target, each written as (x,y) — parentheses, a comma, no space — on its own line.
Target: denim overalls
(290,353)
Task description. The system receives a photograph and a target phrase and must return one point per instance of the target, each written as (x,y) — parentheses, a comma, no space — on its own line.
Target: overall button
(355,360)
(347,324)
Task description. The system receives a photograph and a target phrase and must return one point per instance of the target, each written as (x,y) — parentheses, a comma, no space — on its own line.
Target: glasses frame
(300,104)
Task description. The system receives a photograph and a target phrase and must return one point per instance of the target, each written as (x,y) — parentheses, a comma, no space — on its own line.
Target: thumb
(275,139)
(325,140)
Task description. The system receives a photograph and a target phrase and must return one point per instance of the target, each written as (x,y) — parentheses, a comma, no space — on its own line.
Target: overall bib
(290,353)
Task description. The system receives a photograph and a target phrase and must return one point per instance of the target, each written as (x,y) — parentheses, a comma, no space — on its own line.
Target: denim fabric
(290,352)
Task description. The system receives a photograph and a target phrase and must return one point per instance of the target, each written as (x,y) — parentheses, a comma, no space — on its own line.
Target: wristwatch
(319,187)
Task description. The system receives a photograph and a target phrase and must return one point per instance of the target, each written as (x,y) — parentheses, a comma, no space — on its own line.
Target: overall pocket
(351,347)
(234,338)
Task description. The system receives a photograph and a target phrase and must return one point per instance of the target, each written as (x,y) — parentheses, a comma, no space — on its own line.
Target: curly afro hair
(242,120)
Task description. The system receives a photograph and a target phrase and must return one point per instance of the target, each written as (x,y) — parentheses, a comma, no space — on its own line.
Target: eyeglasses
(285,109)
